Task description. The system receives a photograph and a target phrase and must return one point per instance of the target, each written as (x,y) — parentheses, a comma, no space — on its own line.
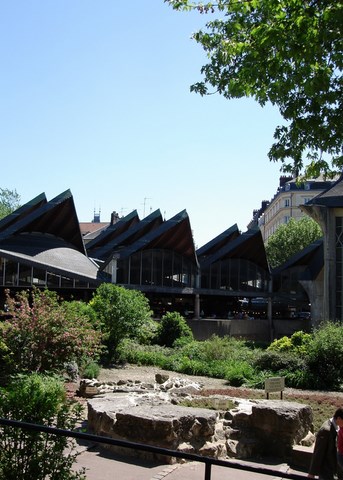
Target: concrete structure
(327,210)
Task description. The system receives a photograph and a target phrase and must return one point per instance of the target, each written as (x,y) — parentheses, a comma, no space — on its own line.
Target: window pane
(25,275)
(11,273)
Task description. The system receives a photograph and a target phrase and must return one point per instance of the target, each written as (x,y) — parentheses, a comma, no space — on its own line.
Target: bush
(130,351)
(278,361)
(325,357)
(238,373)
(90,370)
(28,455)
(173,327)
(43,335)
(123,314)
(297,343)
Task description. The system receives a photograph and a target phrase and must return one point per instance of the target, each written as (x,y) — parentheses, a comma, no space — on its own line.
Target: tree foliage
(290,239)
(288,53)
(9,201)
(42,334)
(123,314)
(29,455)
(173,327)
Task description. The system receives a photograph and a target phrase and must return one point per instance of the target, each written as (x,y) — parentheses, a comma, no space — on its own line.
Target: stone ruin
(151,414)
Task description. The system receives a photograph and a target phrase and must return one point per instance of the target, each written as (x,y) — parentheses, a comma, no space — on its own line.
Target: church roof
(129,236)
(47,235)
(173,234)
(248,245)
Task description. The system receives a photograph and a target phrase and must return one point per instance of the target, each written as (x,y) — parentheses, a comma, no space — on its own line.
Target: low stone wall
(257,330)
(154,415)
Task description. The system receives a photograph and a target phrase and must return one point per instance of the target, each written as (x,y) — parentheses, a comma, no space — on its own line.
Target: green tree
(29,455)
(288,53)
(173,327)
(9,201)
(123,314)
(290,239)
(41,334)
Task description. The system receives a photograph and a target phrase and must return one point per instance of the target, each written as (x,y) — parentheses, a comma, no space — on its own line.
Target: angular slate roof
(218,242)
(149,223)
(112,232)
(311,257)
(56,217)
(23,211)
(248,245)
(173,234)
(47,235)
(331,197)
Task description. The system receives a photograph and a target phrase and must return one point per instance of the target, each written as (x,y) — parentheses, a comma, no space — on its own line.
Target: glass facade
(236,275)
(16,274)
(156,267)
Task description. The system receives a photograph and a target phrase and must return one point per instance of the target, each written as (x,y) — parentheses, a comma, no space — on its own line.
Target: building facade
(287,203)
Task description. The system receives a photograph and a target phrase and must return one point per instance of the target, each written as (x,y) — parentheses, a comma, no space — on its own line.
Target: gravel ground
(147,374)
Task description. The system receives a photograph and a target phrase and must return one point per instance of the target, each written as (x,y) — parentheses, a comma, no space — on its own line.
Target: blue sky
(95,98)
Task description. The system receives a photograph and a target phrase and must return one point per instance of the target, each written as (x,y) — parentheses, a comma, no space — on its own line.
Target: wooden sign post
(274,384)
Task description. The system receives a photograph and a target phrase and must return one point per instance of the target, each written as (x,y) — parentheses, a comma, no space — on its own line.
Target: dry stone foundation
(151,414)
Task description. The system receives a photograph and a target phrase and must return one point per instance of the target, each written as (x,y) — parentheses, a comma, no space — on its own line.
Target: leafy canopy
(123,314)
(290,239)
(288,53)
(9,201)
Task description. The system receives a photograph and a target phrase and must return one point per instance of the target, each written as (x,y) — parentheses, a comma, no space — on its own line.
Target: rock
(308,441)
(162,425)
(152,414)
(274,427)
(161,378)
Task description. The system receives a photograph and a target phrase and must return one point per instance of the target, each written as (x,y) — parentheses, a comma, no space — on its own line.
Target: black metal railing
(208,461)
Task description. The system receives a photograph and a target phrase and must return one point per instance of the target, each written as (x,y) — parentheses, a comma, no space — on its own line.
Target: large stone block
(164,425)
(274,427)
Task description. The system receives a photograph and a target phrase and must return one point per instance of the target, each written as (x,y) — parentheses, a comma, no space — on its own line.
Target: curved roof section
(47,235)
(49,252)
(248,245)
(173,234)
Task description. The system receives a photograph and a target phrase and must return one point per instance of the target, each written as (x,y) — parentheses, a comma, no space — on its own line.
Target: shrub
(325,357)
(28,455)
(238,373)
(41,334)
(123,314)
(130,351)
(173,327)
(276,361)
(297,343)
(90,370)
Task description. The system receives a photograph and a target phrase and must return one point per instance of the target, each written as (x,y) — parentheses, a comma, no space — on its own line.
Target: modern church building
(41,245)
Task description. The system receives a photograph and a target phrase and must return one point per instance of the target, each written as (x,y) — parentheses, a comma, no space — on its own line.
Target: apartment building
(286,202)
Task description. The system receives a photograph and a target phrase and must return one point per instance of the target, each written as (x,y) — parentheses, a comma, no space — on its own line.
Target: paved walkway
(103,465)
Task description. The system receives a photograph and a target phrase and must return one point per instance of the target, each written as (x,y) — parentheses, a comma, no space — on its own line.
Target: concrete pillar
(197,307)
(270,311)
